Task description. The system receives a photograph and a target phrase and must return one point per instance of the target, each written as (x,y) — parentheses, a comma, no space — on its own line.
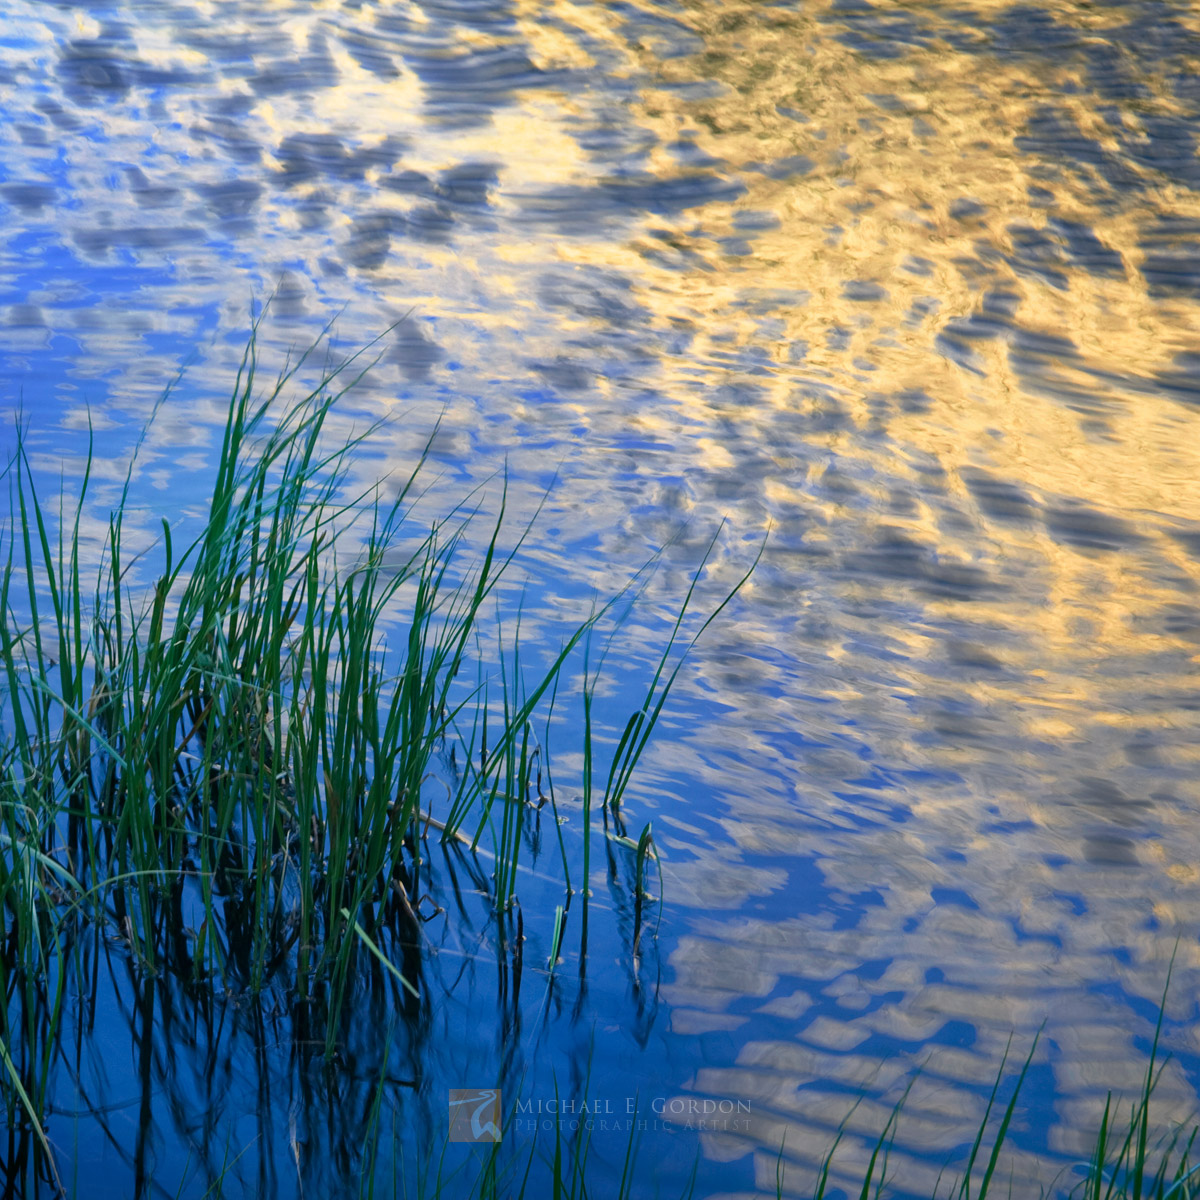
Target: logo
(475,1114)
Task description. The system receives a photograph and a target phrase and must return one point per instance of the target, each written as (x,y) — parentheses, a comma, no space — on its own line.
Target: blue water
(915,288)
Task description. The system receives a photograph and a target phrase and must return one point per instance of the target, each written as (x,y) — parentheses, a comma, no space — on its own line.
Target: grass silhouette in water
(225,770)
(1127,1161)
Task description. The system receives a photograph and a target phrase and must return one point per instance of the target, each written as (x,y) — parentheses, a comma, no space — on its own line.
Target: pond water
(914,286)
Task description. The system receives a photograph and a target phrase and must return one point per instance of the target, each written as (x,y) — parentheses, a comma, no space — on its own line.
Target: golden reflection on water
(918,338)
(868,243)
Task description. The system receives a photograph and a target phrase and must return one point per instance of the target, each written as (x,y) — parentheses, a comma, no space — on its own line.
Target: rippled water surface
(913,285)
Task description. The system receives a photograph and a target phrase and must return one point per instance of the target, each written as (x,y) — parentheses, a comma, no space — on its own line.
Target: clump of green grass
(228,767)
